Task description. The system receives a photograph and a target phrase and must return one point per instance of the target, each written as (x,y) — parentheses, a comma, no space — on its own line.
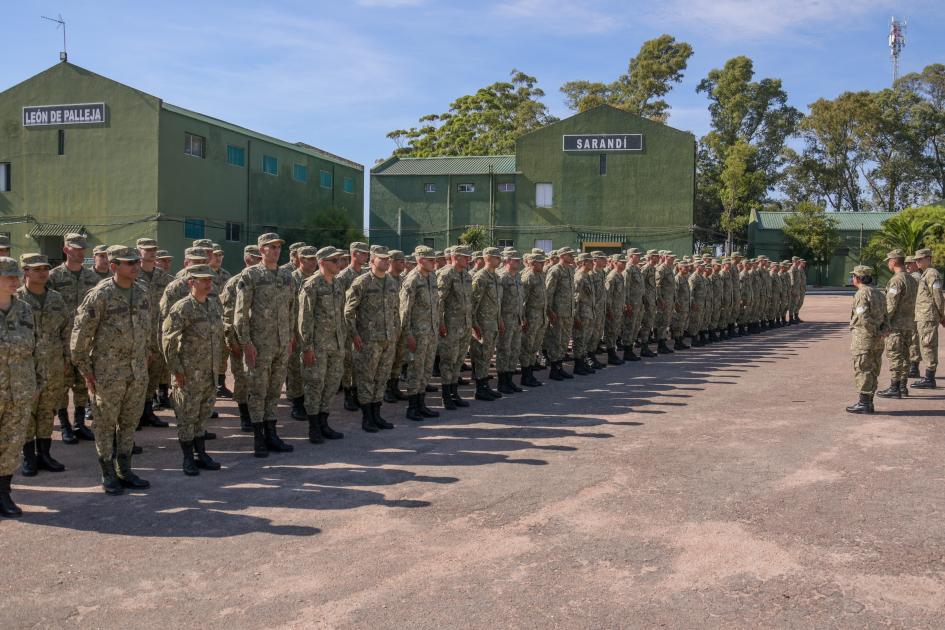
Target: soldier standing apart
(454,290)
(372,317)
(615,287)
(251,257)
(419,326)
(53,327)
(73,281)
(113,341)
(18,378)
(323,338)
(307,257)
(509,344)
(192,341)
(360,253)
(487,321)
(559,289)
(584,297)
(929,313)
(915,352)
(534,315)
(869,325)
(264,323)
(900,311)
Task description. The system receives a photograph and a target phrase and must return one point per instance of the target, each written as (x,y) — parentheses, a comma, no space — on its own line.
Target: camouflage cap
(537,258)
(379,251)
(599,255)
(146,243)
(358,246)
(894,254)
(652,252)
(795,258)
(4,241)
(328,252)
(200,271)
(462,250)
(9,267)
(565,250)
(216,249)
(862,270)
(268,238)
(448,251)
(633,251)
(585,257)
(617,258)
(737,254)
(670,254)
(512,254)
(663,252)
(163,253)
(307,251)
(396,254)
(922,253)
(786,262)
(296,246)
(477,254)
(100,249)
(122,252)
(33,260)
(202,242)
(411,259)
(491,251)
(537,250)
(422,251)
(252,250)
(910,259)
(196,253)
(439,254)
(75,240)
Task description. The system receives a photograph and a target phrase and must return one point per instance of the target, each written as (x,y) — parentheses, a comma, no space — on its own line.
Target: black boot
(298,409)
(413,408)
(389,396)
(892,392)
(351,398)
(504,386)
(367,419)
(482,390)
(126,476)
(425,411)
(628,354)
(645,351)
(872,409)
(81,431)
(164,398)
(30,465)
(45,460)
(379,421)
(612,358)
(595,364)
(581,368)
(926,383)
(315,430)
(7,507)
(861,406)
(327,432)
(65,427)
(457,399)
(110,483)
(259,440)
(436,366)
(188,465)
(246,422)
(555,373)
(447,395)
(203,460)
(149,418)
(662,348)
(563,372)
(222,390)
(528,377)
(913,370)
(495,393)
(273,442)
(904,388)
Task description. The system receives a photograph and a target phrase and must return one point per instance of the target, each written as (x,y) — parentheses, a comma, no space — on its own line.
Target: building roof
(846,221)
(448,165)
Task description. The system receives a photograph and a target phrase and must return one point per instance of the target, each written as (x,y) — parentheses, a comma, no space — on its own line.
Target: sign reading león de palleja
(75,114)
(603,142)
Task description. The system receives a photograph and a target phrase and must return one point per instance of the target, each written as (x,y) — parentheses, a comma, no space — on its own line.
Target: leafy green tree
(331,227)
(928,114)
(910,230)
(812,233)
(475,236)
(740,185)
(485,123)
(650,76)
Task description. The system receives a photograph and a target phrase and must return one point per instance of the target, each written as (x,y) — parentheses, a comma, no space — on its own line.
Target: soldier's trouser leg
(321,380)
(915,352)
(401,356)
(482,351)
(372,369)
(666,318)
(452,350)
(116,409)
(508,347)
(193,404)
(580,338)
(293,379)
(40,423)
(156,370)
(562,329)
(239,377)
(612,330)
(75,382)
(928,343)
(532,339)
(599,323)
(421,368)
(631,325)
(646,325)
(224,360)
(14,416)
(347,374)
(264,383)
(866,368)
(897,352)
(678,327)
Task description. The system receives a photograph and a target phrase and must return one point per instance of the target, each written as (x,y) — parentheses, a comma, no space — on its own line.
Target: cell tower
(897,41)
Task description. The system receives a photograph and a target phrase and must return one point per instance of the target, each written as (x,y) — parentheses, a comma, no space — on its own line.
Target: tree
(739,188)
(650,76)
(331,227)
(929,118)
(909,230)
(812,233)
(485,123)
(475,236)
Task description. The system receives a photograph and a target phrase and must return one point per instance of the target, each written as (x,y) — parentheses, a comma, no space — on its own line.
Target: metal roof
(448,165)
(55,229)
(846,221)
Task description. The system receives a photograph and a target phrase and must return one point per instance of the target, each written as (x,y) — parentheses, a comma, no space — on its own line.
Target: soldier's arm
(241,312)
(171,331)
(305,322)
(477,293)
(407,300)
(352,302)
(65,334)
(87,321)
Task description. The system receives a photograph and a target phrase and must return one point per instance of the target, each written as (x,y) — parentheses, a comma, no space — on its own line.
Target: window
(234,232)
(429,188)
(5,177)
(61,148)
(429,242)
(195,145)
(603,163)
(507,187)
(544,195)
(504,242)
(194,228)
(235,155)
(543,244)
(348,184)
(270,165)
(300,173)
(324,179)
(466,188)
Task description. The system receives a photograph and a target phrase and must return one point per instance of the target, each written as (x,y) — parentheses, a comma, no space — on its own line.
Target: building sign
(603,142)
(79,114)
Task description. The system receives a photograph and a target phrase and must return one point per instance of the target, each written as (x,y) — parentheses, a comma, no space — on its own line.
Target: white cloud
(564,15)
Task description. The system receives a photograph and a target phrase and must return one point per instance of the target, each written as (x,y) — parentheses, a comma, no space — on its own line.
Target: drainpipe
(449,204)
(249,166)
(491,206)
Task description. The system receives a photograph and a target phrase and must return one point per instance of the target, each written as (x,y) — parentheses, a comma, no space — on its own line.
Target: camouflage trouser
(631,325)
(156,371)
(582,338)
(321,380)
(558,344)
(347,373)
(662,320)
(532,338)
(897,351)
(40,424)
(116,410)
(264,383)
(293,378)
(679,323)
(193,403)
(508,347)
(482,351)
(239,376)
(600,320)
(400,356)
(694,323)
(75,382)
(915,352)
(612,328)
(420,368)
(866,368)
(221,369)
(452,350)
(928,343)
(646,323)
(372,369)
(13,420)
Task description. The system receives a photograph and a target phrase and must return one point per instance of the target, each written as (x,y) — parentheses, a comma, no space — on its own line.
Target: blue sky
(340,75)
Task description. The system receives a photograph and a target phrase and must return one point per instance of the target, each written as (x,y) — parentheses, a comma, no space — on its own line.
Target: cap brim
(275,240)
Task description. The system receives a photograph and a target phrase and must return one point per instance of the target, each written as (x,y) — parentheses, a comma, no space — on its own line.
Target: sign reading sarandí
(76,114)
(603,142)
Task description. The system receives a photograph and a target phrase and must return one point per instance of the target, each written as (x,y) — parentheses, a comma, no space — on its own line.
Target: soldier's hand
(525,325)
(477,333)
(90,383)
(308,358)
(235,350)
(411,344)
(179,380)
(443,331)
(552,317)
(250,351)
(357,342)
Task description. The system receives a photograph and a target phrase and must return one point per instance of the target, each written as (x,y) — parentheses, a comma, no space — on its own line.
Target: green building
(80,152)
(602,179)
(766,236)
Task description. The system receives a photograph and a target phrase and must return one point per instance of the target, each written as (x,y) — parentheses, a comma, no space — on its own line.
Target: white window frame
(506,187)
(466,188)
(190,146)
(544,195)
(544,244)
(6,184)
(429,187)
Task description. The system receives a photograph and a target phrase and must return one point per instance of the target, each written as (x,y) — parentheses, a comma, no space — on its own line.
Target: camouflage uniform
(585,296)
(634,286)
(420,319)
(510,342)
(666,296)
(697,304)
(73,287)
(681,307)
(599,277)
(929,312)
(901,293)
(486,315)
(220,277)
(156,283)
(559,289)
(294,387)
(18,381)
(372,313)
(915,351)
(615,289)
(454,289)
(228,301)
(321,328)
(344,279)
(53,328)
(868,323)
(534,314)
(649,302)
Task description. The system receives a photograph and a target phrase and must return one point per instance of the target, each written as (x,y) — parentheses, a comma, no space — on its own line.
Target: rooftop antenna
(63,55)
(897,41)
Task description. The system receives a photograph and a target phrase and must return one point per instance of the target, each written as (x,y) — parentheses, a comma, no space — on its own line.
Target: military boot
(298,409)
(65,427)
(528,377)
(81,431)
(436,366)
(259,440)
(126,476)
(580,367)
(564,373)
(459,400)
(8,508)
(246,422)
(628,354)
(555,373)
(926,383)
(389,396)
(188,465)
(327,431)
(425,411)
(904,388)
(44,459)
(413,408)
(861,406)
(148,416)
(613,358)
(379,421)
(351,398)
(222,390)
(872,408)
(645,350)
(164,397)
(447,395)
(504,383)
(913,370)
(273,442)
(595,364)
(515,388)
(203,460)
(482,390)
(367,419)
(662,348)
(892,392)
(30,465)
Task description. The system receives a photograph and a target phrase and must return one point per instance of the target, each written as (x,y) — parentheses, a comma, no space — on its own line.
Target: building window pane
(61,148)
(348,185)
(195,145)
(270,165)
(544,195)
(234,232)
(324,179)
(467,188)
(5,179)
(194,228)
(430,188)
(429,242)
(300,173)
(507,187)
(505,242)
(543,244)
(603,163)
(235,155)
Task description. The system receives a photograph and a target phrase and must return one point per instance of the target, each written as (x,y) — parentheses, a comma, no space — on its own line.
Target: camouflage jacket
(321,320)
(52,323)
(18,377)
(155,286)
(584,296)
(72,287)
(265,313)
(486,300)
(901,291)
(682,297)
(633,283)
(615,290)
(665,285)
(649,286)
(513,298)
(454,289)
(929,303)
(372,308)
(559,290)
(192,338)
(534,298)
(868,319)
(419,305)
(697,292)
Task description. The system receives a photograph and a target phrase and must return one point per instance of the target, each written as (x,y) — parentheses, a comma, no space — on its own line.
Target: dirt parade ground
(720,487)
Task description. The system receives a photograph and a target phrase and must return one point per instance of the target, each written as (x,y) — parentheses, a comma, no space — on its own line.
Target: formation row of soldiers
(902,322)
(131,337)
